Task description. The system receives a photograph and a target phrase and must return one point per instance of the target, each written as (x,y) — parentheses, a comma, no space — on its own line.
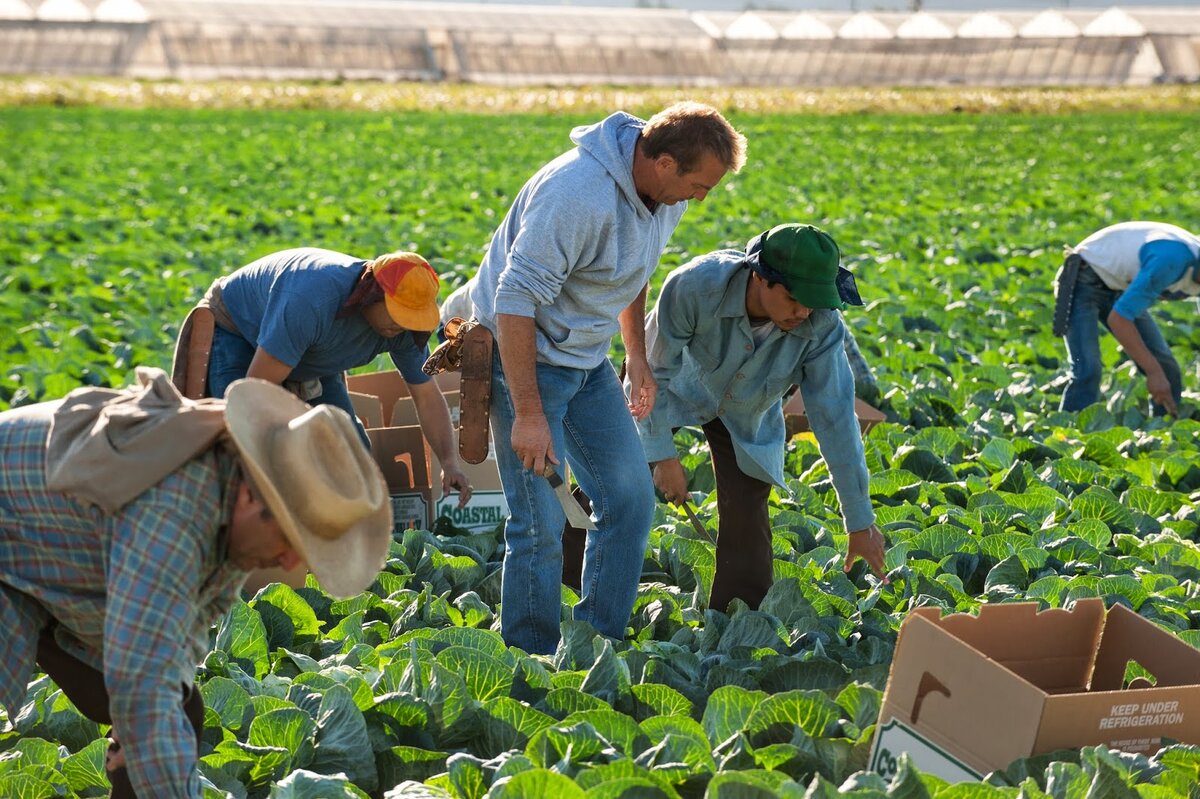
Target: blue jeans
(591,426)
(230,360)
(1090,307)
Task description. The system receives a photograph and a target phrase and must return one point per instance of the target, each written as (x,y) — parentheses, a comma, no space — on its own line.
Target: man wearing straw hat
(128,521)
(731,332)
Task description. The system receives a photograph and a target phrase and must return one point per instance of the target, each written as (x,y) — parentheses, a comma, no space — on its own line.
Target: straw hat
(318,480)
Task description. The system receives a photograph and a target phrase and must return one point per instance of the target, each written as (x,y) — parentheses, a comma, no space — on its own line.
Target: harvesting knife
(575,514)
(697,525)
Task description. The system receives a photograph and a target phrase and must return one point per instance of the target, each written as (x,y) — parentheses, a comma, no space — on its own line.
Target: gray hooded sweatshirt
(576,247)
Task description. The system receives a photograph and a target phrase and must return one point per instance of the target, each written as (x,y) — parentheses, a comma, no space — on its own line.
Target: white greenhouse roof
(1114,22)
(922,25)
(64,11)
(864,26)
(986,26)
(751,26)
(1049,24)
(15,9)
(807,26)
(121,11)
(429,16)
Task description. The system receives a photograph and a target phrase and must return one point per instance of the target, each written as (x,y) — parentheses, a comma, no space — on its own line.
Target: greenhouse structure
(572,45)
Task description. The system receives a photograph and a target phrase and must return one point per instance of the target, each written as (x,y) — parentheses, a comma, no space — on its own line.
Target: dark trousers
(745,565)
(84,686)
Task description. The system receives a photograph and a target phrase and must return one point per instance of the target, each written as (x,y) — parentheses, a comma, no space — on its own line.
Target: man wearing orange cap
(303,317)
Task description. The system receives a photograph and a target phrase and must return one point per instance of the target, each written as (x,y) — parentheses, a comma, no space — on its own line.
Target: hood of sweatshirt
(612,142)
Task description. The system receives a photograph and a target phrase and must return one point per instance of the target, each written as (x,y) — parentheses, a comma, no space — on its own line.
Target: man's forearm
(434,417)
(518,357)
(1126,333)
(633,326)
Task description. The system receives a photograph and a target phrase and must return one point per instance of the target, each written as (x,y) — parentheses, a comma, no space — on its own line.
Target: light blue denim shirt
(707,366)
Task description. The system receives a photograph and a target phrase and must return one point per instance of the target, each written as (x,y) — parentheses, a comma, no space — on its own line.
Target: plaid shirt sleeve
(157,560)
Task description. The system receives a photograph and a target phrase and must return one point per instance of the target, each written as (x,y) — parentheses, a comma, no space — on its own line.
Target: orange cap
(410,289)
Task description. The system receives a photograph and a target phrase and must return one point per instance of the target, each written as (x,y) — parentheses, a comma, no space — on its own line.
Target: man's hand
(1126,333)
(670,479)
(1160,391)
(453,478)
(643,387)
(867,544)
(114,758)
(531,441)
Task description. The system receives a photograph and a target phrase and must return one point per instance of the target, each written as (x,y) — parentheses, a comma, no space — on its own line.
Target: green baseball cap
(805,259)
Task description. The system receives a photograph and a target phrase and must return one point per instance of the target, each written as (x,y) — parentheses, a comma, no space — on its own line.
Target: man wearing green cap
(730,334)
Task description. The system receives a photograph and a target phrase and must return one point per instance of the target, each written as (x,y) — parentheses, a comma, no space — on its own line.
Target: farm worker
(866,388)
(730,333)
(1120,271)
(303,317)
(565,270)
(129,520)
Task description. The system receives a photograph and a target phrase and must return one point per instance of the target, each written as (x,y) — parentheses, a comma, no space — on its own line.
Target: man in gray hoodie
(565,271)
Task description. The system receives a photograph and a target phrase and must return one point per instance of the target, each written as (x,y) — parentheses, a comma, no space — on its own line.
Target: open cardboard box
(968,695)
(410,467)
(796,420)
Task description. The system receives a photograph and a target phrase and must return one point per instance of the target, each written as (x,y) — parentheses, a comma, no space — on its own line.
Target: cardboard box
(410,467)
(404,412)
(968,695)
(796,419)
(404,458)
(367,408)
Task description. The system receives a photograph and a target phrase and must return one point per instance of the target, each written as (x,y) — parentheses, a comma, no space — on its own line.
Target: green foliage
(985,491)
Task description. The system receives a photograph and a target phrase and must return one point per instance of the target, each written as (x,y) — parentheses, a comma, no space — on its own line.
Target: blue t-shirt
(287,303)
(1163,263)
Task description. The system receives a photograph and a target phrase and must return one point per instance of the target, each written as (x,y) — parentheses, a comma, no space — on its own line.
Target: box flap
(367,408)
(1127,636)
(949,692)
(404,412)
(402,455)
(797,419)
(388,386)
(1130,720)
(1052,649)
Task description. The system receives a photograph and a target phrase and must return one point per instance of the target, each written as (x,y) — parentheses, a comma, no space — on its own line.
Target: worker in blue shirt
(730,334)
(1119,272)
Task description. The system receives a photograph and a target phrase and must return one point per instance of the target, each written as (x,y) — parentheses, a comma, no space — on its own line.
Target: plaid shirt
(134,594)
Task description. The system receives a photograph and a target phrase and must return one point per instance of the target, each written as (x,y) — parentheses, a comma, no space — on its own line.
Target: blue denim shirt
(701,349)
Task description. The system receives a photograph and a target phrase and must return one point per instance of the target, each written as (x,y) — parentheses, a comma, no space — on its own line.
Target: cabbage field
(117,219)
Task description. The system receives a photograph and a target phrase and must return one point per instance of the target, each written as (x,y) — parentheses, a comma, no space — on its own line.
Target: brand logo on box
(482,513)
(895,738)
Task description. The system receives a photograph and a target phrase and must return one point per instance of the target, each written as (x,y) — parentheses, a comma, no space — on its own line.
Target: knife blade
(697,525)
(575,515)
